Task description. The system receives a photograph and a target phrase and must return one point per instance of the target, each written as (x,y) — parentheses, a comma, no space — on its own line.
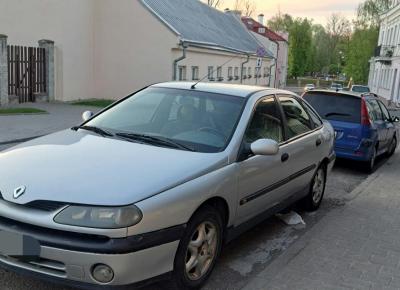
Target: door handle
(318,142)
(285,157)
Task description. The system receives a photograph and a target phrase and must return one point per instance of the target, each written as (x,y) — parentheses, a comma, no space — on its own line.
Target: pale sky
(319,10)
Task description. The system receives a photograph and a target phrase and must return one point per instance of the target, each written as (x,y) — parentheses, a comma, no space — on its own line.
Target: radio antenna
(213,71)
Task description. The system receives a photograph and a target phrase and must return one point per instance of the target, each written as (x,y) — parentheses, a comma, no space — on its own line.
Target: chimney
(261,18)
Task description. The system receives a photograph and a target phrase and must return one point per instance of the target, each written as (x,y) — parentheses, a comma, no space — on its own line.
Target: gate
(26,72)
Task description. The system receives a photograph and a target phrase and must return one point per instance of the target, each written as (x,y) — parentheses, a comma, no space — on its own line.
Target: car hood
(83,168)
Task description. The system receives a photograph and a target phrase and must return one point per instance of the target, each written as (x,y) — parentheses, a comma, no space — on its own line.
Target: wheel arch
(218,203)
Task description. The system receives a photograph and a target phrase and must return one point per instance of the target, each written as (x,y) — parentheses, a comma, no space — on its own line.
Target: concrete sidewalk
(60,116)
(353,247)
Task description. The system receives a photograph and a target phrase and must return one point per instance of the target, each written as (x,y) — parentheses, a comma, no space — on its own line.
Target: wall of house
(132,48)
(283,58)
(384,75)
(205,58)
(273,48)
(69,25)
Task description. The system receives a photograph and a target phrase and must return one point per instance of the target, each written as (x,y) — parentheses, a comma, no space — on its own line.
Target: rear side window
(385,111)
(376,111)
(336,107)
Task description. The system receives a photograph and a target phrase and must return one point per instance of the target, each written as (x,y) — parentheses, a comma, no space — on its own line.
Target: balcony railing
(385,51)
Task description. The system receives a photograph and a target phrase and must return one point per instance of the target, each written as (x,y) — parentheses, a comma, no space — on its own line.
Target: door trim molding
(276,185)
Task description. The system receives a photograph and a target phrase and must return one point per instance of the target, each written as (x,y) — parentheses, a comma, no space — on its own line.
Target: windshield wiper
(336,114)
(155,140)
(97,130)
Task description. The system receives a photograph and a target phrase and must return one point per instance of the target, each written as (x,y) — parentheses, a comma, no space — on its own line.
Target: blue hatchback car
(364,128)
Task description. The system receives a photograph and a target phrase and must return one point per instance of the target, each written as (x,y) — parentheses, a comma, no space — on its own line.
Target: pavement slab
(60,116)
(355,246)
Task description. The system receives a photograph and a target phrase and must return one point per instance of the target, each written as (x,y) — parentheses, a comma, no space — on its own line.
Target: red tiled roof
(254,25)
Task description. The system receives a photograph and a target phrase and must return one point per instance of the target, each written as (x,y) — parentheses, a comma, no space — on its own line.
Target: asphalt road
(248,255)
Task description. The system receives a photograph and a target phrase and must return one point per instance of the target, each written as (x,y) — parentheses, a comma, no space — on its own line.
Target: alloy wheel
(318,186)
(201,251)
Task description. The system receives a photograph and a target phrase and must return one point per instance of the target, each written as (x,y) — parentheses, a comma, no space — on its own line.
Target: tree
(321,44)
(280,22)
(369,12)
(339,30)
(300,37)
(247,7)
(214,3)
(361,49)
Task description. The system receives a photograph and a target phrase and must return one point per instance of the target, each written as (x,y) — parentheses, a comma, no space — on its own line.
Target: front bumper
(70,257)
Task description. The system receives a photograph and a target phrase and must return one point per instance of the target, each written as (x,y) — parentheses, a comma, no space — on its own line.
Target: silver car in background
(155,184)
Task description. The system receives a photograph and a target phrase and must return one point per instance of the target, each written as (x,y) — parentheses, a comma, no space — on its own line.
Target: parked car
(363,125)
(360,89)
(156,183)
(309,87)
(336,87)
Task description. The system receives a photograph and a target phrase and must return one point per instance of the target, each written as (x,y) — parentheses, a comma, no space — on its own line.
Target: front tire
(316,193)
(199,249)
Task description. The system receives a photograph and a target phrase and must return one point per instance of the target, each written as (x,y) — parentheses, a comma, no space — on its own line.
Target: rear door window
(314,117)
(336,107)
(297,120)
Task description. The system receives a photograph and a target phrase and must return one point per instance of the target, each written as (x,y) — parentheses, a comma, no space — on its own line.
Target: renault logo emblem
(19,191)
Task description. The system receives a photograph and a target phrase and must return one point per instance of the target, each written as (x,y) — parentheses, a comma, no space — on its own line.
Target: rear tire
(198,250)
(317,190)
(392,147)
(370,164)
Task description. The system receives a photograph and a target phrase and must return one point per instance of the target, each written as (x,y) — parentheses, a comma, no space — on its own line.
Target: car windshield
(336,107)
(201,121)
(360,89)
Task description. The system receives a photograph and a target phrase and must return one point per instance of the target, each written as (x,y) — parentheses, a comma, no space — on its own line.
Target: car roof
(243,91)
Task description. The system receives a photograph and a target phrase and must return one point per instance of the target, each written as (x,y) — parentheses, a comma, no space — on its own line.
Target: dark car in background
(360,89)
(364,128)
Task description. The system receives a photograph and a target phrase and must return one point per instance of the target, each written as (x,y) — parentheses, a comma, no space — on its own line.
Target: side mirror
(265,147)
(87,115)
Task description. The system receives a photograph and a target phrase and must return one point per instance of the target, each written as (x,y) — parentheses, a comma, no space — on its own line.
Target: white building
(384,75)
(108,48)
(277,43)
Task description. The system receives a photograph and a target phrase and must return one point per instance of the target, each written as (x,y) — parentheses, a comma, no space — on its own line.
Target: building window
(236,73)
(249,73)
(195,73)
(266,72)
(219,74)
(182,73)
(230,73)
(211,73)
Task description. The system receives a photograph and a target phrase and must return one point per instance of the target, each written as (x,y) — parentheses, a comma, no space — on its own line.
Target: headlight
(100,217)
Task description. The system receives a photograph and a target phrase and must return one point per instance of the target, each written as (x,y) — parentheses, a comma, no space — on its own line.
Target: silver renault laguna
(155,184)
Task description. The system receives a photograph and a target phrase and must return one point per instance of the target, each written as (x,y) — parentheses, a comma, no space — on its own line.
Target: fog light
(102,273)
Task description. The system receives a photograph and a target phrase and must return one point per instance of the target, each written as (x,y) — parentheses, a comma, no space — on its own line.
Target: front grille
(43,205)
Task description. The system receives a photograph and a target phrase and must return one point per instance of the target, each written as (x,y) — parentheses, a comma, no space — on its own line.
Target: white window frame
(182,73)
(195,73)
